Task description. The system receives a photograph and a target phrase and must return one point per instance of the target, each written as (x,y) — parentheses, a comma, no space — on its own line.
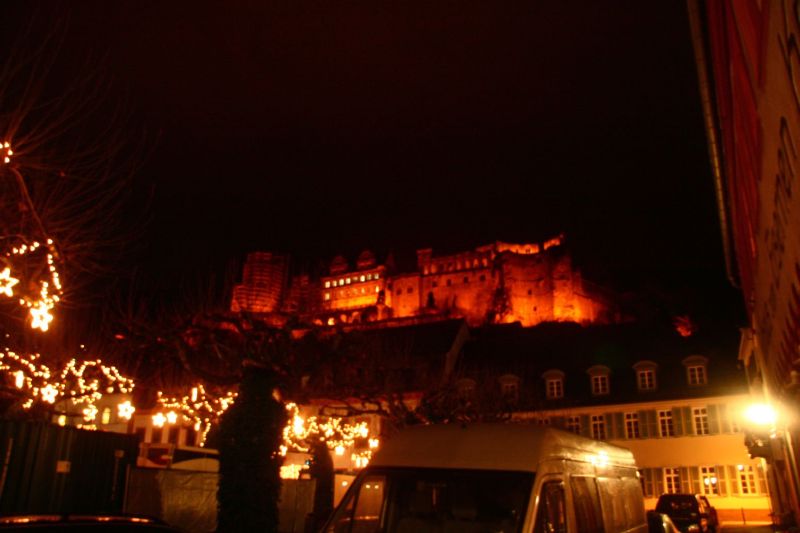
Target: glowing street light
(761,415)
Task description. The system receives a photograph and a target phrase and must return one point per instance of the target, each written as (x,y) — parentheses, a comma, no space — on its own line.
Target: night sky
(319,128)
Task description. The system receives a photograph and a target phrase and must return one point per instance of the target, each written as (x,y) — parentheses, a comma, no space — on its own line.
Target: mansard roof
(574,349)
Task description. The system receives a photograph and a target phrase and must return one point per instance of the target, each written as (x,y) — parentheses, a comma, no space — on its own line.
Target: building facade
(676,402)
(748,64)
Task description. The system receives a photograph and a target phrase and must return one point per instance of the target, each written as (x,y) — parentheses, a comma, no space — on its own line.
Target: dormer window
(696,370)
(599,385)
(554,384)
(509,387)
(697,374)
(599,375)
(645,375)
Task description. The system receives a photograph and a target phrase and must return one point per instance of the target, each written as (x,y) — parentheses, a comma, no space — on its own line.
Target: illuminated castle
(496,283)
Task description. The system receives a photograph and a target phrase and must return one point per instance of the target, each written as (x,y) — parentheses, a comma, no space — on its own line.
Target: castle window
(475,263)
(377,275)
(530,292)
(377,289)
(458,265)
(696,369)
(435,283)
(482,277)
(466,280)
(448,283)
(433,269)
(485,262)
(341,282)
(369,276)
(327,296)
(399,291)
(348,280)
(410,290)
(327,284)
(362,278)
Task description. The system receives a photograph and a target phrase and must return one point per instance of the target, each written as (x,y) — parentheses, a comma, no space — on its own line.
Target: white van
(493,478)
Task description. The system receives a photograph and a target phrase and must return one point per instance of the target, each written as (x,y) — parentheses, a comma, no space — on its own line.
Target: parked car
(660,523)
(84,522)
(690,512)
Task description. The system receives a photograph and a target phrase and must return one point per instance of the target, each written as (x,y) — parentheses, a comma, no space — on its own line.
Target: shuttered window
(598,427)
(632,425)
(672,481)
(665,426)
(709,482)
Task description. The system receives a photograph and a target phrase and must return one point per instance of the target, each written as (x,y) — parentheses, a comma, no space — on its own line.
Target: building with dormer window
(675,401)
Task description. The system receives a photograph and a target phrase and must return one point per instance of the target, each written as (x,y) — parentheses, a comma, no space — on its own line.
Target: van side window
(368,504)
(551,516)
(588,515)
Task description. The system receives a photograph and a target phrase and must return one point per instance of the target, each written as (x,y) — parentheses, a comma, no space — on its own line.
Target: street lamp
(760,430)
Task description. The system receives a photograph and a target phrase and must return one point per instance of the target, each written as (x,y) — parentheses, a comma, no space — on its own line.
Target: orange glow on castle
(500,282)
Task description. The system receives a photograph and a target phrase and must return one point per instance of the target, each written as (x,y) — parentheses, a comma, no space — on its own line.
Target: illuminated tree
(66,161)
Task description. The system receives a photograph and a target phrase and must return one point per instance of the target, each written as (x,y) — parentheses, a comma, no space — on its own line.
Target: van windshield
(434,500)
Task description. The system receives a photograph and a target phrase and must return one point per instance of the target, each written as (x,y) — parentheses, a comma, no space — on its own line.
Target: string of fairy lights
(80,387)
(38,296)
(46,293)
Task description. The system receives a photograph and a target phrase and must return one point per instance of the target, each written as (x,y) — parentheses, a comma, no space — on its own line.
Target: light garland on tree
(201,408)
(41,301)
(6,152)
(82,384)
(337,434)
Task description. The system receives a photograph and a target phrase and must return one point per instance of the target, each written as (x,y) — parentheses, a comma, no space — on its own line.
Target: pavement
(759,528)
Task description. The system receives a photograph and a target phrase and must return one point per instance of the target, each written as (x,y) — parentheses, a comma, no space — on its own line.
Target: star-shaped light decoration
(125,410)
(40,316)
(7,282)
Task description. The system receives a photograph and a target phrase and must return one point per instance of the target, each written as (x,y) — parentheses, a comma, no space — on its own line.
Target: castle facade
(501,282)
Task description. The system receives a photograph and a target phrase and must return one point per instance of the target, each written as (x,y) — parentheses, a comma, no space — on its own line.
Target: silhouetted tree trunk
(249,437)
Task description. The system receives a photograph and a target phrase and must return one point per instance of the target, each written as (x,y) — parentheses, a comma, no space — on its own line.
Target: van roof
(514,447)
